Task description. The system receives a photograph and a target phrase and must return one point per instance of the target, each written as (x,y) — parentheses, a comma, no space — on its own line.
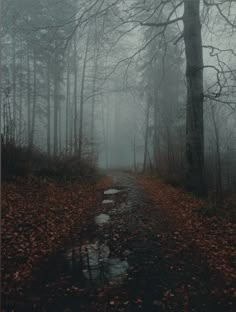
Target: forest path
(117,262)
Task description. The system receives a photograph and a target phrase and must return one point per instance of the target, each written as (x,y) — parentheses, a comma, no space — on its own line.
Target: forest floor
(124,244)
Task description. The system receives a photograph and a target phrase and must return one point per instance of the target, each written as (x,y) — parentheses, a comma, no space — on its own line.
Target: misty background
(97,79)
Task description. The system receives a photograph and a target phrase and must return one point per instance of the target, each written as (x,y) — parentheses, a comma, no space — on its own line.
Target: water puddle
(111,191)
(73,255)
(95,263)
(119,210)
(115,269)
(108,201)
(93,260)
(102,219)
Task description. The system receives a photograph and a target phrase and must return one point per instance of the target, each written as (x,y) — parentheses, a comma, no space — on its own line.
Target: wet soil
(117,262)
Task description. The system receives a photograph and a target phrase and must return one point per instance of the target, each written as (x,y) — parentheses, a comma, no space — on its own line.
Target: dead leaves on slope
(214,236)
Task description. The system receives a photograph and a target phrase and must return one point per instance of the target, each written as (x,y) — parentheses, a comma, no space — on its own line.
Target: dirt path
(117,262)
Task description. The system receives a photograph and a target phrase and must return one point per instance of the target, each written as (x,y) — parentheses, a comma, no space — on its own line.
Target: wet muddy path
(104,264)
(115,261)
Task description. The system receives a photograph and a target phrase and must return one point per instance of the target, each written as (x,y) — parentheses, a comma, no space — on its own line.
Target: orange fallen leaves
(36,218)
(214,236)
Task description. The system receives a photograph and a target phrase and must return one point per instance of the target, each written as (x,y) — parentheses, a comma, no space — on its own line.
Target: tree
(81,113)
(195,181)
(0,64)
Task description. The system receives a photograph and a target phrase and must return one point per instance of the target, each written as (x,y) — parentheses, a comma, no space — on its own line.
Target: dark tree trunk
(146,136)
(93,104)
(20,100)
(81,113)
(48,110)
(195,181)
(55,141)
(1,67)
(60,128)
(155,135)
(219,187)
(134,154)
(56,105)
(32,134)
(14,86)
(75,97)
(28,97)
(71,130)
(67,101)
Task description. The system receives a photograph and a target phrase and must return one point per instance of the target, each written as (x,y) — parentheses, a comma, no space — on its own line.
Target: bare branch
(217,5)
(213,49)
(178,19)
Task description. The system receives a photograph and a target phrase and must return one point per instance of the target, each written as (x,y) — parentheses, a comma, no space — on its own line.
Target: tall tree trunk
(146,136)
(75,96)
(107,123)
(55,121)
(93,104)
(71,130)
(105,134)
(219,187)
(8,119)
(134,154)
(14,86)
(1,68)
(67,101)
(59,128)
(169,159)
(34,104)
(20,100)
(195,181)
(117,136)
(96,53)
(28,97)
(150,160)
(81,116)
(155,135)
(48,109)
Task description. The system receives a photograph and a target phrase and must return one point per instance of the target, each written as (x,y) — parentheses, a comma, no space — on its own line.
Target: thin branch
(217,5)
(213,53)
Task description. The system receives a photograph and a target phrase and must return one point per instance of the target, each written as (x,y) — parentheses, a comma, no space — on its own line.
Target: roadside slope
(212,237)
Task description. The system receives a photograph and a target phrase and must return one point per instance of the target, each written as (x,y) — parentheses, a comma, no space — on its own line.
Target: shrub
(18,161)
(68,169)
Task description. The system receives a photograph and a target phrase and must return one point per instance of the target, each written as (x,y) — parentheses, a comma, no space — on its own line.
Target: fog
(106,81)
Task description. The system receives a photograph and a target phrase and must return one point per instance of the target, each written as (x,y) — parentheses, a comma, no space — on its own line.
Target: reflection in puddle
(102,218)
(93,255)
(73,255)
(111,191)
(115,269)
(96,264)
(108,201)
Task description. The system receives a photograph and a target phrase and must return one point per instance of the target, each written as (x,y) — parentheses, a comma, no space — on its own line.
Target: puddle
(119,210)
(102,218)
(72,253)
(95,262)
(111,191)
(108,201)
(115,269)
(93,256)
